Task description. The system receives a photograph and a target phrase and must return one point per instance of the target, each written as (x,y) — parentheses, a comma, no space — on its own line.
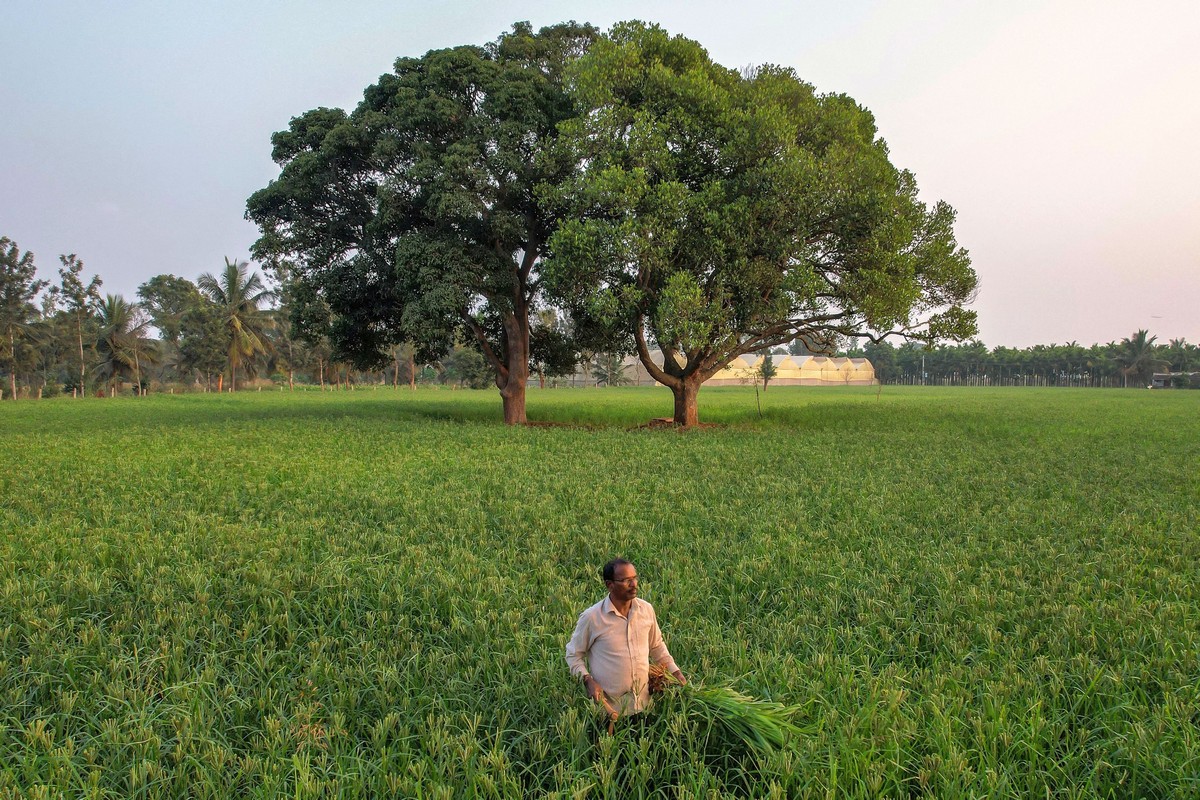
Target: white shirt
(616,650)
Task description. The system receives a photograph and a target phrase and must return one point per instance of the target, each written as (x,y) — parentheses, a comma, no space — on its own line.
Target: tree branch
(485,346)
(656,372)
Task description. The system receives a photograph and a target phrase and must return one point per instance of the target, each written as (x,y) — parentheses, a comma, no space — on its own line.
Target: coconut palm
(123,346)
(237,297)
(1138,357)
(609,370)
(1182,354)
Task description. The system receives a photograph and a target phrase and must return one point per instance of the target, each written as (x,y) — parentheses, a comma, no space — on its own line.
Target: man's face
(624,585)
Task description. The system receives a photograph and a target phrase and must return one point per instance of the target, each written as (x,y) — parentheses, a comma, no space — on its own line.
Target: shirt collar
(607,607)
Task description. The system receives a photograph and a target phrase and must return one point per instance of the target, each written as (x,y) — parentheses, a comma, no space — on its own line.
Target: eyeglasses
(627,581)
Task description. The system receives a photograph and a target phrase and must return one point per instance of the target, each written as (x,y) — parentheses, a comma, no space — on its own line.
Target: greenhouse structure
(809,370)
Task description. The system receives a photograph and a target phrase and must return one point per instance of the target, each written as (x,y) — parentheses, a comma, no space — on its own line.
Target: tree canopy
(1139,358)
(415,217)
(715,213)
(167,299)
(237,296)
(19,287)
(122,346)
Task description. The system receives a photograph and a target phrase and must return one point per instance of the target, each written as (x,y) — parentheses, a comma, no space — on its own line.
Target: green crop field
(966,593)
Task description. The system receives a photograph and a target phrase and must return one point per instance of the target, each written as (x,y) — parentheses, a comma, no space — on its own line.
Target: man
(614,643)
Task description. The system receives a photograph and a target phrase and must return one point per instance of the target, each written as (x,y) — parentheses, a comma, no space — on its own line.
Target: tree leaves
(743,209)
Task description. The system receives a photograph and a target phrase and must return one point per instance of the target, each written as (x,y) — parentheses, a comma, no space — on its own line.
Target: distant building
(1175,380)
(799,371)
(789,371)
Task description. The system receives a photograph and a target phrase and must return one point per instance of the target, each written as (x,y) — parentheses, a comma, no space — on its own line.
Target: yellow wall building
(799,371)
(789,371)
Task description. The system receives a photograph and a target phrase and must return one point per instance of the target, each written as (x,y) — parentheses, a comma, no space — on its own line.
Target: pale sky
(1063,132)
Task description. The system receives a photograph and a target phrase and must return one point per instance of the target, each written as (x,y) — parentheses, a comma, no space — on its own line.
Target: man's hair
(610,568)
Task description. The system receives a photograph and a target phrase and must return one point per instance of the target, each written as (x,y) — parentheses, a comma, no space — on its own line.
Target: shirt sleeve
(578,646)
(658,648)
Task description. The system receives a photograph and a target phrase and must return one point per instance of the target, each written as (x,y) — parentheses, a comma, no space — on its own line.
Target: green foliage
(1069,364)
(767,369)
(82,303)
(720,213)
(1182,356)
(464,366)
(552,347)
(123,346)
(1139,358)
(167,299)
(203,340)
(18,289)
(414,218)
(609,369)
(237,296)
(966,593)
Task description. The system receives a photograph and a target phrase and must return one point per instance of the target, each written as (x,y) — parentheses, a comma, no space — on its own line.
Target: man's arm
(577,650)
(660,655)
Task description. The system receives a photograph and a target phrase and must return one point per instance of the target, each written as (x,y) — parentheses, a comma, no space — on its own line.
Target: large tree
(81,302)
(18,289)
(415,217)
(237,296)
(1139,359)
(203,350)
(167,299)
(717,213)
(122,346)
(1181,355)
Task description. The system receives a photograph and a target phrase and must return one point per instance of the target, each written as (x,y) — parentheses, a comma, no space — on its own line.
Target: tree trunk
(291,379)
(685,400)
(12,372)
(82,365)
(514,404)
(412,370)
(221,382)
(512,390)
(232,378)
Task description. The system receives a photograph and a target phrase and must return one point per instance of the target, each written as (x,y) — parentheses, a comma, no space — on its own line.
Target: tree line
(221,332)
(501,210)
(229,328)
(1130,362)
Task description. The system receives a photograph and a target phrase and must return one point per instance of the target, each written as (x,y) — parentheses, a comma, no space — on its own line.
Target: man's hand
(593,689)
(678,675)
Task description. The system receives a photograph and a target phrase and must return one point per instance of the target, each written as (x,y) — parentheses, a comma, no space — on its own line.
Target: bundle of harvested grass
(761,725)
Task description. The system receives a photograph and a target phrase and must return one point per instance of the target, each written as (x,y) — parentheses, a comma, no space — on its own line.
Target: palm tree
(1181,354)
(609,370)
(123,346)
(1138,357)
(237,298)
